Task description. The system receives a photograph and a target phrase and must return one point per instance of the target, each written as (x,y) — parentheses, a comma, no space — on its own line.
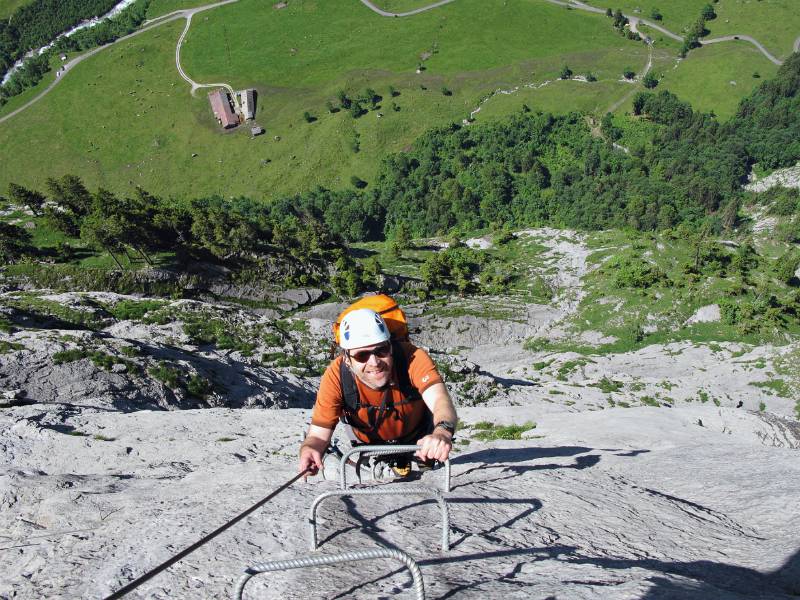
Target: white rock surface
(788,177)
(637,503)
(694,499)
(705,314)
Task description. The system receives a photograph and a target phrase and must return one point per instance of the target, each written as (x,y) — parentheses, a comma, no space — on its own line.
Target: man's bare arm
(438,444)
(438,401)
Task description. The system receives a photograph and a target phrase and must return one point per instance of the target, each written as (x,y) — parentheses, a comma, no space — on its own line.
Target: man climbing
(385,389)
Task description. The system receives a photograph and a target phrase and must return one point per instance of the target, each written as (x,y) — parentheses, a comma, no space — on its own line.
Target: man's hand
(310,460)
(313,448)
(435,446)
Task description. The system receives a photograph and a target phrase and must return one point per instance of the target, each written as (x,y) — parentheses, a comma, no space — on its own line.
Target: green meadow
(124,117)
(317,43)
(9,6)
(774,23)
(717,77)
(157,8)
(677,15)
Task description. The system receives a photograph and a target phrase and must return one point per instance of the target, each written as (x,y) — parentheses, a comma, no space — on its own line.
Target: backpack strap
(352,401)
(375,414)
(410,393)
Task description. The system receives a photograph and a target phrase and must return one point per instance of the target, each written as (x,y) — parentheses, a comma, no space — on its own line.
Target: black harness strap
(376,414)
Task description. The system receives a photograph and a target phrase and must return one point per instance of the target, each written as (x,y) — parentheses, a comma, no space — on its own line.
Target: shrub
(607,385)
(134,310)
(6,347)
(169,376)
(199,387)
(631,272)
(650,81)
(68,356)
(489,431)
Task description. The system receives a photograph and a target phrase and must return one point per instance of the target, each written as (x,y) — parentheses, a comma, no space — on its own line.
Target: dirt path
(636,20)
(646,70)
(179,14)
(416,11)
(745,38)
(189,14)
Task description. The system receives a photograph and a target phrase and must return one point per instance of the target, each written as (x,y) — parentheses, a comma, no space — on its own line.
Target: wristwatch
(447,426)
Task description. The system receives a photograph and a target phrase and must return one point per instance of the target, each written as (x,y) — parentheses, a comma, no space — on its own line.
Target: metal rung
(383,450)
(406,490)
(332,559)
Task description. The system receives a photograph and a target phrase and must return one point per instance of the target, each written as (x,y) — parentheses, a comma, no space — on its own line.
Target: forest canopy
(39,22)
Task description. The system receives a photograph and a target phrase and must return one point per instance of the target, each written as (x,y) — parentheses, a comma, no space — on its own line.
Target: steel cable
(168,563)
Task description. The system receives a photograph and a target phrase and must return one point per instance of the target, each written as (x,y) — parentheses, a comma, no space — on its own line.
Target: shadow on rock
(493,456)
(710,580)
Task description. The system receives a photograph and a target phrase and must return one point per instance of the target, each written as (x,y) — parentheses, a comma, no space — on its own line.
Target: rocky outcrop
(788,177)
(70,349)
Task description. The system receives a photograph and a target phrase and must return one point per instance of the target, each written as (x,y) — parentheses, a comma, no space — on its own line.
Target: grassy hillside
(124,117)
(156,8)
(9,6)
(774,23)
(716,77)
(316,43)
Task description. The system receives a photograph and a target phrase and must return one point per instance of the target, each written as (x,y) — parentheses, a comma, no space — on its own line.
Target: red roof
(221,106)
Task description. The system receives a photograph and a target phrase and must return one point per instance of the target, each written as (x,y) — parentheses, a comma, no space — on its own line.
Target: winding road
(746,38)
(189,13)
(416,11)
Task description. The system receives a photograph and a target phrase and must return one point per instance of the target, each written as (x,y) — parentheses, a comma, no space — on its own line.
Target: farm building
(221,105)
(247,100)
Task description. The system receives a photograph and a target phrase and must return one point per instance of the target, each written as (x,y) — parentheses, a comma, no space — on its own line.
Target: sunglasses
(381,351)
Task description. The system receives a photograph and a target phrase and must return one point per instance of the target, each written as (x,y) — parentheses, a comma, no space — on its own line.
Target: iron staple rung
(331,559)
(407,490)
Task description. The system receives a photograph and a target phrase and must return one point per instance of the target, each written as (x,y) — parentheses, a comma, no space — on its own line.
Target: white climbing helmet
(362,327)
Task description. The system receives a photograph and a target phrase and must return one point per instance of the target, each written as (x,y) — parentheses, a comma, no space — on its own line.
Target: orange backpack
(386,307)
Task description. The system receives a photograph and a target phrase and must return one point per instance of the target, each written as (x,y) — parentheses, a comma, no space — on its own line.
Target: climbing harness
(381,450)
(404,490)
(332,559)
(165,565)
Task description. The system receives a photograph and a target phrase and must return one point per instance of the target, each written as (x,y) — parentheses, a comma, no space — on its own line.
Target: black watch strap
(447,426)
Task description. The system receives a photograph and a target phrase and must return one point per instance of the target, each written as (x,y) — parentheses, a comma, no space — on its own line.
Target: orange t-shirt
(402,418)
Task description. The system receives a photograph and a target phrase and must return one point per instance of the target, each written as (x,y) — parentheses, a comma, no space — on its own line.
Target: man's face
(372,364)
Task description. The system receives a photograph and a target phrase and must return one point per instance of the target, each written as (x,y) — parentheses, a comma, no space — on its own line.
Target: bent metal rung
(383,450)
(332,559)
(384,491)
